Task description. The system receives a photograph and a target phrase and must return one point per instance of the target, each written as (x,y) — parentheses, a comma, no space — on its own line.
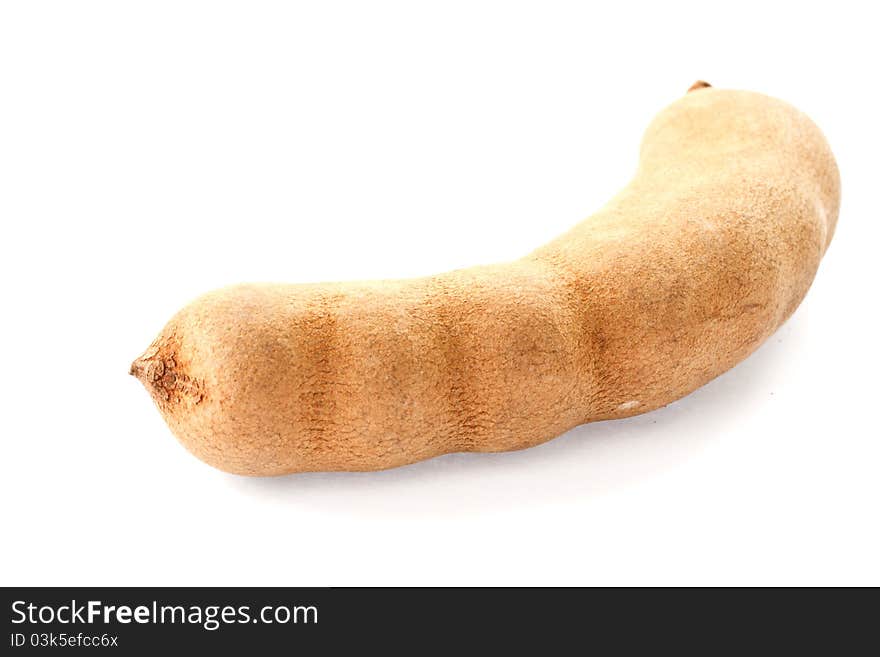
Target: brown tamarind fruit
(679,277)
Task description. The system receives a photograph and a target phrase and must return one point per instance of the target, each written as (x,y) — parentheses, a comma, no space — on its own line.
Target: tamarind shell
(683,274)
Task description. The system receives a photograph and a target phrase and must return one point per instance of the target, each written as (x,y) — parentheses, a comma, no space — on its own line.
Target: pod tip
(137,369)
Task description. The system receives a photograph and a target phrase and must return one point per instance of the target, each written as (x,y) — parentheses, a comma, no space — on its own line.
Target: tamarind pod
(679,277)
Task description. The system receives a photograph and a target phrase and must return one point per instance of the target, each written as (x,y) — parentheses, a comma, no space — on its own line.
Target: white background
(152,151)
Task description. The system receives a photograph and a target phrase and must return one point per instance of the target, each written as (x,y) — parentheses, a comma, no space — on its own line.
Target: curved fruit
(682,275)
